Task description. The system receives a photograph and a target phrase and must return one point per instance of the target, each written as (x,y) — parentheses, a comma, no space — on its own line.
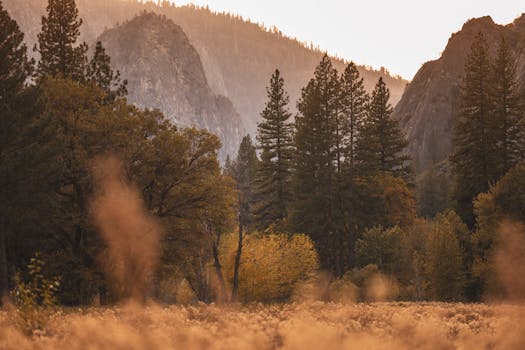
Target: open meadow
(314,325)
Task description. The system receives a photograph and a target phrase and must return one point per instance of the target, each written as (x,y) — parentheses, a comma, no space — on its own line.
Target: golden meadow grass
(313,325)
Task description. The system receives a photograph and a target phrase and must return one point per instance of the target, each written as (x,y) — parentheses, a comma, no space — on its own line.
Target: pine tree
(14,65)
(318,161)
(354,100)
(507,110)
(99,71)
(14,71)
(474,156)
(56,42)
(381,145)
(243,170)
(275,139)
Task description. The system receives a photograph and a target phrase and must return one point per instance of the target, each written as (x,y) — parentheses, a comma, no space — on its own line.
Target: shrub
(34,299)
(271,265)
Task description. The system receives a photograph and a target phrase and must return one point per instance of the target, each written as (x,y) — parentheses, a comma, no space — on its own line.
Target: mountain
(427,109)
(165,71)
(238,56)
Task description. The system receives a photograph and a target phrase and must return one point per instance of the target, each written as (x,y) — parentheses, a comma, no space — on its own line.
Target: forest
(101,201)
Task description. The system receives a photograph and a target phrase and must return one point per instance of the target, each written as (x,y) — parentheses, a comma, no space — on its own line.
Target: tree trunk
(236,267)
(3,261)
(218,268)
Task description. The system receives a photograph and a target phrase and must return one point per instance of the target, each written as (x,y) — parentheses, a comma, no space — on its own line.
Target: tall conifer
(381,144)
(354,99)
(507,110)
(14,71)
(318,161)
(275,139)
(99,71)
(57,40)
(474,157)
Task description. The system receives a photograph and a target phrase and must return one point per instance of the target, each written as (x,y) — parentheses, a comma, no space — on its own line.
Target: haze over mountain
(164,70)
(238,56)
(427,109)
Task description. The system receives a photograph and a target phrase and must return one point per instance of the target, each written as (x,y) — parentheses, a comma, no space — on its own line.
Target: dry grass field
(305,326)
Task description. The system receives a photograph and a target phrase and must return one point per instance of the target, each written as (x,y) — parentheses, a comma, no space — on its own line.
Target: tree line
(329,189)
(340,173)
(59,114)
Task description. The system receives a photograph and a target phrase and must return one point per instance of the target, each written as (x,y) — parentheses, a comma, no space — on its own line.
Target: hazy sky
(397,34)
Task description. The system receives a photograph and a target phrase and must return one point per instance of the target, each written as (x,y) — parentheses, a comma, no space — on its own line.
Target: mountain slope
(238,56)
(428,107)
(164,70)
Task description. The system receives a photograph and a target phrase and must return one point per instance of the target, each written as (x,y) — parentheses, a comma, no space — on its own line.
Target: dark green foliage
(445,267)
(353,101)
(14,71)
(243,170)
(475,156)
(344,146)
(382,145)
(507,111)
(433,191)
(489,135)
(14,65)
(275,140)
(57,40)
(380,247)
(99,71)
(316,164)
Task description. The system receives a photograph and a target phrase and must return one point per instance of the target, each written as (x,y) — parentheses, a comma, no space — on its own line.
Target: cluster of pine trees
(340,174)
(334,171)
(489,137)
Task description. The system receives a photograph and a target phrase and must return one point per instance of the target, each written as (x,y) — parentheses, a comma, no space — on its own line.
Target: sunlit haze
(399,35)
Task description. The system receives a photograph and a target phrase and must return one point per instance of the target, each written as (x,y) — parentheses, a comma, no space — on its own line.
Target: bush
(271,265)
(34,299)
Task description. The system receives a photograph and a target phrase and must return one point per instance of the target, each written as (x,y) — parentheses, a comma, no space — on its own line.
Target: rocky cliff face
(238,56)
(429,105)
(165,71)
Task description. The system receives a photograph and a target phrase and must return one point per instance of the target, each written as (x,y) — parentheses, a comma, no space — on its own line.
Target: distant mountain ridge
(238,56)
(429,105)
(165,71)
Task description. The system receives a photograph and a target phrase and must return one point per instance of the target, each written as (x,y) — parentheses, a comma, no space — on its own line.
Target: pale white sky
(397,34)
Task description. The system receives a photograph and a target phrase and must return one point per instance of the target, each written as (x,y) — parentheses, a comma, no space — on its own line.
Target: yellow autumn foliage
(271,264)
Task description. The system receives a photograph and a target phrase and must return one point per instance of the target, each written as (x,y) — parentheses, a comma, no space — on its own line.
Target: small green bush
(35,297)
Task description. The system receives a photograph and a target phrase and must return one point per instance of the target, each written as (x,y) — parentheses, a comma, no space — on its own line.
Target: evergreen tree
(353,108)
(318,161)
(474,156)
(354,101)
(507,111)
(243,170)
(99,71)
(14,65)
(56,42)
(275,139)
(14,71)
(381,144)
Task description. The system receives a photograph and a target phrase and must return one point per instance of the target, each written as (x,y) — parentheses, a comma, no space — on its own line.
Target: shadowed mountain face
(165,71)
(429,104)
(238,57)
